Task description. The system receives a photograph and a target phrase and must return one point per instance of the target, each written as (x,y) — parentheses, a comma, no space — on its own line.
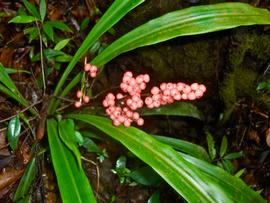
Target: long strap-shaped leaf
(184,177)
(115,13)
(73,183)
(189,21)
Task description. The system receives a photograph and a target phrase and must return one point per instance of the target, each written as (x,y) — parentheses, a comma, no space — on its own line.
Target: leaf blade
(26,181)
(176,109)
(42,9)
(224,146)
(76,187)
(22,19)
(13,132)
(67,134)
(31,8)
(157,155)
(189,21)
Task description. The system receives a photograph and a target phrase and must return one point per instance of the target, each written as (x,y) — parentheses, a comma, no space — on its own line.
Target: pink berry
(191,96)
(129,102)
(202,87)
(136,116)
(194,86)
(173,91)
(180,86)
(167,92)
(148,101)
(87,67)
(86,99)
(163,86)
(187,89)
(93,69)
(156,96)
(156,104)
(169,85)
(146,78)
(110,96)
(155,90)
(93,74)
(79,94)
(142,86)
(78,104)
(127,123)
(139,79)
(184,96)
(177,97)
(128,73)
(198,93)
(116,122)
(119,96)
(140,121)
(129,114)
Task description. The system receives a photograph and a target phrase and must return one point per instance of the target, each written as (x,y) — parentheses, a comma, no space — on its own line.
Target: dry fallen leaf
(8,178)
(253,135)
(267,137)
(3,144)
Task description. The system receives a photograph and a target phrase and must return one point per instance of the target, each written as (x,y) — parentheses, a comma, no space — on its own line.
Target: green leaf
(79,138)
(154,198)
(32,32)
(116,11)
(239,173)
(90,146)
(10,89)
(48,29)
(84,24)
(183,176)
(176,109)
(15,71)
(22,19)
(42,9)
(26,181)
(145,176)
(190,21)
(121,163)
(66,131)
(6,80)
(227,165)
(59,25)
(13,132)
(185,146)
(31,8)
(211,146)
(72,181)
(234,155)
(231,184)
(224,146)
(60,45)
(63,58)
(264,86)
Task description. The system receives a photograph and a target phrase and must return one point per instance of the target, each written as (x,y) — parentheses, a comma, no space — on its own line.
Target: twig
(41,59)
(25,109)
(97,169)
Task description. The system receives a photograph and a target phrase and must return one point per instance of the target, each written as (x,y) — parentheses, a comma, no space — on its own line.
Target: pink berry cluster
(168,93)
(82,98)
(121,107)
(91,69)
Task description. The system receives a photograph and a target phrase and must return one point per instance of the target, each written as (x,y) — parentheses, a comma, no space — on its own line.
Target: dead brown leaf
(253,135)
(8,177)
(3,144)
(267,137)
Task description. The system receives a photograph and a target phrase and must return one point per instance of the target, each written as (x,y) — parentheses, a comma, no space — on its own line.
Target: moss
(248,53)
